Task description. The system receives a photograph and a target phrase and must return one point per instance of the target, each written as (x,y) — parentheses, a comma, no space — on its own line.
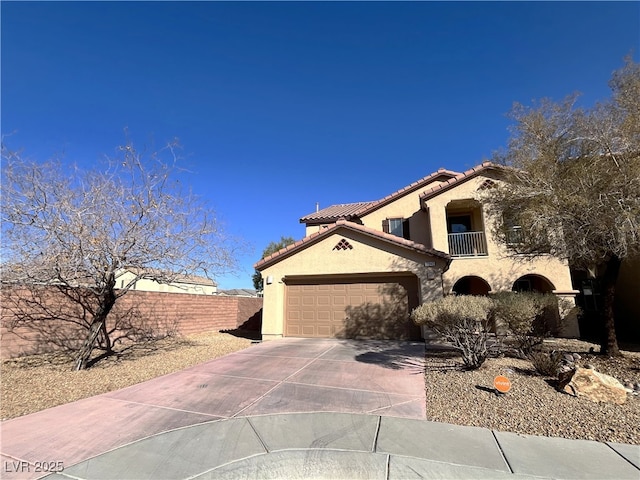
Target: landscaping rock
(593,385)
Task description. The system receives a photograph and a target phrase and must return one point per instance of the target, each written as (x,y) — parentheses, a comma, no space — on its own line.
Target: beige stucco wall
(309,229)
(429,227)
(498,268)
(406,206)
(368,256)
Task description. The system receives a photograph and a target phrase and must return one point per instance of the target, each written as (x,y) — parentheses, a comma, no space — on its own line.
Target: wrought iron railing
(467,244)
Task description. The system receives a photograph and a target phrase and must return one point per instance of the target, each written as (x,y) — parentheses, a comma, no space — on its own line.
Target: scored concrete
(358,446)
(293,408)
(271,377)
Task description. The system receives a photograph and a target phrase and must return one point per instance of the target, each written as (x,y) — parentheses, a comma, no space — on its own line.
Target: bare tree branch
(76,228)
(575,186)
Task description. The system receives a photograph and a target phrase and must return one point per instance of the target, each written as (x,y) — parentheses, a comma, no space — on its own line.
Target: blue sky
(279,105)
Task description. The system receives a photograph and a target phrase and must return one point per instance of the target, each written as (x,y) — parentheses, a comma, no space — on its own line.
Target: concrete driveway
(289,409)
(285,376)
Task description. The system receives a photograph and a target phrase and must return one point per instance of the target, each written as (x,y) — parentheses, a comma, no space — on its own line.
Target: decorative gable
(343,245)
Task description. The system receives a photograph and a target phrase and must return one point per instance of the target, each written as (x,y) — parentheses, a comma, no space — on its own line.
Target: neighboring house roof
(350,211)
(344,224)
(239,292)
(153,273)
(459,178)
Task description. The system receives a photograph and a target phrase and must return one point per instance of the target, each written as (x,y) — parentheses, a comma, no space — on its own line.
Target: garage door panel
(324,331)
(293,330)
(352,310)
(323,300)
(339,300)
(308,316)
(308,331)
(339,316)
(293,301)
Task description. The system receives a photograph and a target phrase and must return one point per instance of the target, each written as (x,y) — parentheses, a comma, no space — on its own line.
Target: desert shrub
(462,321)
(546,363)
(529,316)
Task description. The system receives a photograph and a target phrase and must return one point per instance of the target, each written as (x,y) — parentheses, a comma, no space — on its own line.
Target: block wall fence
(184,313)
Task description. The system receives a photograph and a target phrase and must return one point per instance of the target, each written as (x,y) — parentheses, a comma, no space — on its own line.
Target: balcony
(467,244)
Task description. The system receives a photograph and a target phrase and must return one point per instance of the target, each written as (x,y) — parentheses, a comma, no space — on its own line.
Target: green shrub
(462,321)
(529,316)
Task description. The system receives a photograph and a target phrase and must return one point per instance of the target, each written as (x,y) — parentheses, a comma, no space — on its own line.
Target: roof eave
(317,236)
(458,180)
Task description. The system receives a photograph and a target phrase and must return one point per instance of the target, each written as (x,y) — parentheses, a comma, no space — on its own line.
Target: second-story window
(396,226)
(512,229)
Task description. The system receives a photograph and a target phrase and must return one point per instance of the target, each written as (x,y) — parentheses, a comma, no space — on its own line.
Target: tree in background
(574,191)
(76,230)
(273,247)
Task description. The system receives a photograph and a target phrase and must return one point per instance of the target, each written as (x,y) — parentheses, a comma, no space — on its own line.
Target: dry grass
(34,383)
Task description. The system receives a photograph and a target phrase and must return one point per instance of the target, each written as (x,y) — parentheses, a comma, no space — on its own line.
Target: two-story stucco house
(362,267)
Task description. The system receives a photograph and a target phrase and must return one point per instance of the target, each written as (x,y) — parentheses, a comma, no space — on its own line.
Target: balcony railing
(467,244)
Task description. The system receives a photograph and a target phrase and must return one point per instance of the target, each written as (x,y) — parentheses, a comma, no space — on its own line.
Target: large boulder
(596,386)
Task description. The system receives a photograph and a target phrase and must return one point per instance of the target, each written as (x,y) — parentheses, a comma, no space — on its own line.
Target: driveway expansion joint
(499,447)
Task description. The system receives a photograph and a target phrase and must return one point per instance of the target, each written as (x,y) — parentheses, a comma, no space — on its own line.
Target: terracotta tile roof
(350,211)
(441,172)
(294,247)
(334,212)
(459,178)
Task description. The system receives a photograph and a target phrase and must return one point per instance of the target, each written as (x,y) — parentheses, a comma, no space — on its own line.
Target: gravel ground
(533,406)
(34,383)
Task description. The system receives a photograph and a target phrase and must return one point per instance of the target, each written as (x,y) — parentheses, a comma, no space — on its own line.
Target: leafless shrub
(462,321)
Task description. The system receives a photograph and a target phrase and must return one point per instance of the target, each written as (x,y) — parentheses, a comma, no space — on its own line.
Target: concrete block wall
(184,313)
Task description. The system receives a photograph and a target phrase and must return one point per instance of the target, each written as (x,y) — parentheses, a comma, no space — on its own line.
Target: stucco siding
(148,285)
(407,207)
(367,256)
(501,273)
(498,267)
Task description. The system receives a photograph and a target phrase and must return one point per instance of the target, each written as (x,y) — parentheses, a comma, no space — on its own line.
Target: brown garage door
(351,310)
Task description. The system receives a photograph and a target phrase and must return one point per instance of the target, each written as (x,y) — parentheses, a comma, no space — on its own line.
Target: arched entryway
(533,283)
(471,285)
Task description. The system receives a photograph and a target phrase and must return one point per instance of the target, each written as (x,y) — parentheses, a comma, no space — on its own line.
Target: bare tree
(77,230)
(574,191)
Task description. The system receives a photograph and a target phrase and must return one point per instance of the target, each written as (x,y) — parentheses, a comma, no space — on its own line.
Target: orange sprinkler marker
(502,384)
